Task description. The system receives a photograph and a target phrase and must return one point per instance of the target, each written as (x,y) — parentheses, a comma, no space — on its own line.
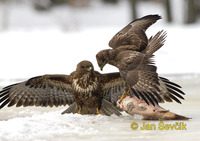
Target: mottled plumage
(132,54)
(83,89)
(133,35)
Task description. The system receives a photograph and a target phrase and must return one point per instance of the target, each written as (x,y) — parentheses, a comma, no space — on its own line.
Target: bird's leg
(124,94)
(79,111)
(97,111)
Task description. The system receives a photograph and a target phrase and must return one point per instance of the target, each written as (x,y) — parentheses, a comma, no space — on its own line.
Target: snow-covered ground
(58,40)
(47,124)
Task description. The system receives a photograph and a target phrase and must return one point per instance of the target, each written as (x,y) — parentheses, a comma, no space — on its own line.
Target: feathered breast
(85,84)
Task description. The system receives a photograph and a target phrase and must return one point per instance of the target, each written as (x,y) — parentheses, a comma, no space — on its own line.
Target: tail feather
(72,109)
(155,43)
(107,108)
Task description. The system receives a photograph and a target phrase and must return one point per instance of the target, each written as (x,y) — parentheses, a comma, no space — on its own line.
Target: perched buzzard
(132,54)
(88,90)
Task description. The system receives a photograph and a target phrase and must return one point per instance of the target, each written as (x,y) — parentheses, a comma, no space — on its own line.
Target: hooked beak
(90,68)
(101,68)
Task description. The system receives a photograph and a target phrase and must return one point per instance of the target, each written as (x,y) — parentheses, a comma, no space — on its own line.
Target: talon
(124,95)
(79,111)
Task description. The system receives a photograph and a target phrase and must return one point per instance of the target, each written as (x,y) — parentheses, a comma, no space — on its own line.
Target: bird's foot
(97,113)
(79,111)
(124,95)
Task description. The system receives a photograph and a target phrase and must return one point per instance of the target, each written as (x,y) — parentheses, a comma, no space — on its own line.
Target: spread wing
(133,35)
(138,71)
(46,90)
(112,86)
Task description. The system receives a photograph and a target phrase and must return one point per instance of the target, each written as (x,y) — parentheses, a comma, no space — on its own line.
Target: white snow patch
(52,125)
(28,54)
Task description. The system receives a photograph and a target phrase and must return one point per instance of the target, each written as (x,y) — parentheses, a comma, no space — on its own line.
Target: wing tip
(152,16)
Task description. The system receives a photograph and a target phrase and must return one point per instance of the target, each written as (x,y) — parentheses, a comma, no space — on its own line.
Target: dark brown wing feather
(155,43)
(112,86)
(140,74)
(133,36)
(47,90)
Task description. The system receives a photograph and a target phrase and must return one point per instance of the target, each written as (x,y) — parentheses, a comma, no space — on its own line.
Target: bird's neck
(112,53)
(86,77)
(85,83)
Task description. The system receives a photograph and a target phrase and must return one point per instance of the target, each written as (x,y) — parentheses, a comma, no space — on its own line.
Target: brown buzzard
(88,90)
(132,54)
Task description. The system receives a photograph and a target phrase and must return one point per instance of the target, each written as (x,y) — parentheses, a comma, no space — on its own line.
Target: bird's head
(85,67)
(102,58)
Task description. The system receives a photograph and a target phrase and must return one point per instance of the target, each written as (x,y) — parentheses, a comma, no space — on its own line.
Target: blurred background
(75,14)
(51,36)
(40,37)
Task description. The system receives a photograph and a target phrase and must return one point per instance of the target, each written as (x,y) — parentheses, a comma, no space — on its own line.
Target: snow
(54,42)
(52,125)
(47,124)
(38,127)
(27,54)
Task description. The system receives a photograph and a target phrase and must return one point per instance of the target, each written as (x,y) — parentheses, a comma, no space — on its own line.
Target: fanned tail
(107,108)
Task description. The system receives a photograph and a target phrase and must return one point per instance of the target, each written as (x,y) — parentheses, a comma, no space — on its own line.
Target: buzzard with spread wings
(132,54)
(85,90)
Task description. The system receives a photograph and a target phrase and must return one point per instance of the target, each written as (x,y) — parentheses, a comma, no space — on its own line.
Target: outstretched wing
(112,86)
(141,76)
(133,36)
(46,90)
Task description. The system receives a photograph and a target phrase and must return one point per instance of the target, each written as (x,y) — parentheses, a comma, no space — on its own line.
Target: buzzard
(132,54)
(86,90)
